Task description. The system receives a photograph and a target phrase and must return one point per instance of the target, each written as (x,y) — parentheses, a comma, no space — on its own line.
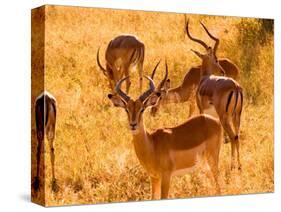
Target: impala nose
(133,126)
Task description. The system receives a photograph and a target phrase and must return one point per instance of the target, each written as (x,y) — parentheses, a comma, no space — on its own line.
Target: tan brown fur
(122,53)
(170,151)
(186,91)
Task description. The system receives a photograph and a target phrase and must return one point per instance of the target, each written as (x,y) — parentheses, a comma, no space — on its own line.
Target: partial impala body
(170,151)
(223,94)
(45,117)
(123,53)
(187,89)
(230,69)
(184,92)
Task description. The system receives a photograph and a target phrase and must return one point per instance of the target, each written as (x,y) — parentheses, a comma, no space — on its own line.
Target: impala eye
(126,110)
(142,110)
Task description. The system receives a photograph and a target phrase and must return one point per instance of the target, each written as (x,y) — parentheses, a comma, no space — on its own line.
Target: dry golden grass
(95,159)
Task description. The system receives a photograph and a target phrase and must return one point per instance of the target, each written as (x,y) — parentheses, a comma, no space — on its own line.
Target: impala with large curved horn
(187,89)
(223,94)
(123,53)
(45,117)
(170,151)
(230,69)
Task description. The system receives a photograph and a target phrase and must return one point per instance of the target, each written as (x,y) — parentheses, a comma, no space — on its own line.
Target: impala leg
(225,121)
(232,155)
(51,136)
(55,186)
(227,127)
(156,188)
(125,72)
(213,163)
(238,153)
(234,146)
(36,183)
(236,123)
(165,185)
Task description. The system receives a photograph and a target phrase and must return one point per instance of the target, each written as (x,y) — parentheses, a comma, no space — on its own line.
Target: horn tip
(159,62)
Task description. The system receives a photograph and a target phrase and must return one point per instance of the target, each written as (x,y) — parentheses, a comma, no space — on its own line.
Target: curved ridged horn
(147,93)
(194,39)
(211,36)
(120,92)
(165,77)
(99,64)
(154,70)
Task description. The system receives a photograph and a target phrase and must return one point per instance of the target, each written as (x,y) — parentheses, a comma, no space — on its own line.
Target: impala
(170,151)
(223,94)
(230,69)
(123,53)
(182,93)
(187,89)
(45,118)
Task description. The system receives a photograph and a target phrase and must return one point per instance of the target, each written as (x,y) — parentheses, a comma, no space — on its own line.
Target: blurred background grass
(95,159)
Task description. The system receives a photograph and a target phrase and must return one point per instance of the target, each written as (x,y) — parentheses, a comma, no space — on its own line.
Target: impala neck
(205,69)
(143,144)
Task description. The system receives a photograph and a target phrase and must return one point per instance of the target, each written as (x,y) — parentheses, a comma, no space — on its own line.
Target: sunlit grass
(95,159)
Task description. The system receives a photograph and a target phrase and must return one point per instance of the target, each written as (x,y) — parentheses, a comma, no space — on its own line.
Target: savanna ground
(95,159)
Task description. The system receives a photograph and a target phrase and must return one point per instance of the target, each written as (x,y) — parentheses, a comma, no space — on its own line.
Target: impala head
(162,88)
(210,63)
(134,108)
(112,73)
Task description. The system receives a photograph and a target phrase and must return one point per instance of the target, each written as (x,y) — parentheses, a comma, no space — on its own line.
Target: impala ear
(117,100)
(152,100)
